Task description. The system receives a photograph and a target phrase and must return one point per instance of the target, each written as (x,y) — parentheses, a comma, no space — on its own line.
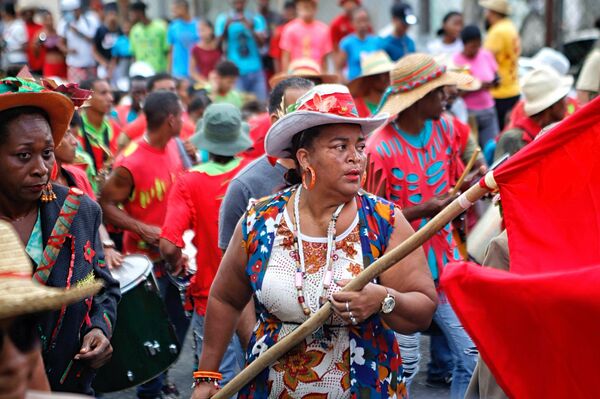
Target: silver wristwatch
(388,304)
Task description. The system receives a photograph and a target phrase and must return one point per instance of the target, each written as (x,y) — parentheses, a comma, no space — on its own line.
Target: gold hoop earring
(313,178)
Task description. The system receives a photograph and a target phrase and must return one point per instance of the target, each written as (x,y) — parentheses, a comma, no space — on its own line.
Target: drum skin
(144,341)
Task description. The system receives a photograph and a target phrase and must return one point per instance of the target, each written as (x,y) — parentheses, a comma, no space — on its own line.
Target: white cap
(70,5)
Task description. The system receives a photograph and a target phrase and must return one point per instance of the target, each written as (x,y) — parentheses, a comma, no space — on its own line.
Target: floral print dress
(336,361)
(320,366)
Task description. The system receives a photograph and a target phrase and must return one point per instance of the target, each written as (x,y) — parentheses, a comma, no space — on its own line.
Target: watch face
(388,304)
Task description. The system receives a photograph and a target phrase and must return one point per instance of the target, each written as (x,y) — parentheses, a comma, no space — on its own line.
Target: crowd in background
(152,82)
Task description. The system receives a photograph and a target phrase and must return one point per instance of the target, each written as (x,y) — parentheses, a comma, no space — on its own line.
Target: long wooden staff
(287,343)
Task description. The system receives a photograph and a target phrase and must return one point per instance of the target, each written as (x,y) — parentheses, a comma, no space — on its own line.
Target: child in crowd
(357,44)
(222,88)
(206,54)
(482,65)
(448,41)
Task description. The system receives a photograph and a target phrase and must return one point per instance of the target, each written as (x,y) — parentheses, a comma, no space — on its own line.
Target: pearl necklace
(300,265)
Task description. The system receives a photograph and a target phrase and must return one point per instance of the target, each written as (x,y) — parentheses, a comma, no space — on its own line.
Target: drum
(488,227)
(144,340)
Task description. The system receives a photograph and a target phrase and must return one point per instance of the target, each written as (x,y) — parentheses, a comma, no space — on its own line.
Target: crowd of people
(297,152)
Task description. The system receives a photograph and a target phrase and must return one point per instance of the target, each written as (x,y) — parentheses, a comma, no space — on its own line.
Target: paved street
(182,372)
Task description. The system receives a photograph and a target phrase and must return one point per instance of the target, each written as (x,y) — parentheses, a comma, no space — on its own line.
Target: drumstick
(466,172)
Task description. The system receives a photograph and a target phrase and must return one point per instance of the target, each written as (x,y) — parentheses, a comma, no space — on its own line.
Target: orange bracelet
(208,374)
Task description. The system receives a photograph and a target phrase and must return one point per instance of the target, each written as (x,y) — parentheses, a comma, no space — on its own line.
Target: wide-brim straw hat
(500,6)
(371,64)
(19,294)
(413,77)
(306,68)
(543,87)
(58,101)
(451,66)
(323,105)
(221,131)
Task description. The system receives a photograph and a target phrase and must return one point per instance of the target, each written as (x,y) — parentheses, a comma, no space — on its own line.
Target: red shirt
(137,128)
(341,26)
(36,63)
(194,204)
(153,171)
(259,126)
(80,179)
(206,60)
(275,47)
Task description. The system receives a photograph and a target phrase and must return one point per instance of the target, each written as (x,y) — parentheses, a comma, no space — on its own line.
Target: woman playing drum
(295,250)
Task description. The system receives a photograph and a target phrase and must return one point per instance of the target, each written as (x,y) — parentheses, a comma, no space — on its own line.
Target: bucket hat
(544,87)
(500,6)
(371,64)
(221,131)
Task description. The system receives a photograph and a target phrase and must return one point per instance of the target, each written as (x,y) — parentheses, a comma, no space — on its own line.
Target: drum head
(134,269)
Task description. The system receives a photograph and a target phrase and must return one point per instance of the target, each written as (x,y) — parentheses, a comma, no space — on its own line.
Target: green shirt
(35,245)
(212,168)
(149,44)
(234,97)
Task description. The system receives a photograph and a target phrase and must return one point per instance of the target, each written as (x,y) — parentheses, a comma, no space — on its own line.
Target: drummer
(194,203)
(75,340)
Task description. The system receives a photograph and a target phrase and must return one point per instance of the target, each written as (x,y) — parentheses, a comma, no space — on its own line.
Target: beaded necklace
(299,258)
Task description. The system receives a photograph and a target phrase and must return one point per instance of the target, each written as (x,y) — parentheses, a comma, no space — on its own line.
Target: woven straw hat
(304,68)
(543,87)
(371,64)
(500,6)
(413,77)
(473,85)
(19,294)
(322,105)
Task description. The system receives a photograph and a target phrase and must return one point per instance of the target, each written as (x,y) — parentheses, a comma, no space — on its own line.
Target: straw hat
(500,6)
(543,87)
(57,101)
(451,66)
(371,64)
(221,131)
(322,105)
(19,294)
(304,68)
(413,77)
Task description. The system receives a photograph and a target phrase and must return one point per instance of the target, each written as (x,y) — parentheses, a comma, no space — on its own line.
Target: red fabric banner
(550,193)
(537,333)
(537,326)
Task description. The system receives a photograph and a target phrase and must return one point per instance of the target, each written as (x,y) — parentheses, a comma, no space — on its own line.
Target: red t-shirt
(153,171)
(259,126)
(36,63)
(80,178)
(137,128)
(341,26)
(194,203)
(206,60)
(275,45)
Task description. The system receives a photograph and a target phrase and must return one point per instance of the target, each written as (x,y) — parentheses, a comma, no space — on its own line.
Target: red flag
(537,326)
(550,194)
(537,333)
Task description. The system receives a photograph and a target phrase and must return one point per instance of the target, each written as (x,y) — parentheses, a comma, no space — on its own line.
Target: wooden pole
(375,269)
(467,170)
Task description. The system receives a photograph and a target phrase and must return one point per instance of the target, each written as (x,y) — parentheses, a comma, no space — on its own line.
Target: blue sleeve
(260,24)
(411,45)
(346,44)
(220,25)
(171,33)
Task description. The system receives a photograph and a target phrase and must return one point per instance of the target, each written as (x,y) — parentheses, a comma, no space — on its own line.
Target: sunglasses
(22,332)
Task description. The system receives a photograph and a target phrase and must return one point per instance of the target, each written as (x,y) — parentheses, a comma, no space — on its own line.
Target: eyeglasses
(22,332)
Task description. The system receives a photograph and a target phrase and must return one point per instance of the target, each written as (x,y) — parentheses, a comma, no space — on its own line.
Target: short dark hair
(9,8)
(138,6)
(446,18)
(9,115)
(88,84)
(279,91)
(289,4)
(470,33)
(76,120)
(182,3)
(158,106)
(227,68)
(158,77)
(401,10)
(199,101)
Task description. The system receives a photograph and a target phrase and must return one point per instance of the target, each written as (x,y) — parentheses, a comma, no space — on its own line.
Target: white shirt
(15,37)
(438,47)
(81,50)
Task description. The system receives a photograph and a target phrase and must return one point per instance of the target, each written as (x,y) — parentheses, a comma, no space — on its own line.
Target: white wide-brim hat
(325,104)
(544,87)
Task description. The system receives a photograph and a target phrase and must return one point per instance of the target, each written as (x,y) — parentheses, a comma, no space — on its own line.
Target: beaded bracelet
(202,380)
(201,377)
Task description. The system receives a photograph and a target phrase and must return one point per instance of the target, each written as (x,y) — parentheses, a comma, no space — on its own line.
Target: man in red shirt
(35,62)
(140,183)
(341,26)
(194,204)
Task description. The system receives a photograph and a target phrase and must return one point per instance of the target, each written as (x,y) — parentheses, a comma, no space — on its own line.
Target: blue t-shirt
(121,48)
(354,47)
(182,35)
(242,49)
(397,47)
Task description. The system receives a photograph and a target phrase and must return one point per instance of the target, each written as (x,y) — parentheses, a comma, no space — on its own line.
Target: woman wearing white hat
(545,93)
(295,250)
